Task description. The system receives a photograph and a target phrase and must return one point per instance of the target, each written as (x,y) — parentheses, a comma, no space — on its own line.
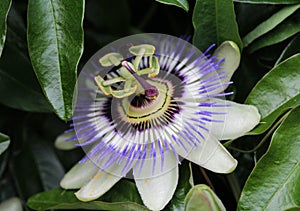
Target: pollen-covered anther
(129,73)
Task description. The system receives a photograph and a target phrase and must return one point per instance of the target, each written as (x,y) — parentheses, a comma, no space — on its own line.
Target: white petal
(149,167)
(61,143)
(97,186)
(229,51)
(79,175)
(102,181)
(238,120)
(156,192)
(221,160)
(211,155)
(12,204)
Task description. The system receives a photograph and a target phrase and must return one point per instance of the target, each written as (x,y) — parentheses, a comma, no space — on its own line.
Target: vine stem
(203,172)
(234,185)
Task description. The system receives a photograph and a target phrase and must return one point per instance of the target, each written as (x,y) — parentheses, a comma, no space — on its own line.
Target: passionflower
(145,102)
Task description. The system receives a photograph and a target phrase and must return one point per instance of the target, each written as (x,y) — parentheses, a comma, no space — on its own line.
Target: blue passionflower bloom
(145,102)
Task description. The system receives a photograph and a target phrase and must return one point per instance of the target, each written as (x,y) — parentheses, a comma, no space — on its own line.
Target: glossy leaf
(183,187)
(123,196)
(247,21)
(211,26)
(283,31)
(269,1)
(20,89)
(270,23)
(276,92)
(55,42)
(201,197)
(4,8)
(179,3)
(291,49)
(4,142)
(274,182)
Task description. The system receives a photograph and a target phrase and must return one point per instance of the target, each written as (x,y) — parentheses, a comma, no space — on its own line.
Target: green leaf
(201,197)
(269,1)
(214,22)
(4,8)
(123,191)
(293,208)
(179,3)
(183,187)
(283,31)
(270,23)
(16,28)
(276,92)
(4,142)
(274,182)
(55,43)
(3,165)
(20,89)
(247,21)
(37,167)
(114,199)
(7,187)
(291,49)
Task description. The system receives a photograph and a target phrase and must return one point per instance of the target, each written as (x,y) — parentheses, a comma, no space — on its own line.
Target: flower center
(139,108)
(143,94)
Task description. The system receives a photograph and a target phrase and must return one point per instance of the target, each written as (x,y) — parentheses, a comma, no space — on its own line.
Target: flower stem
(234,185)
(206,178)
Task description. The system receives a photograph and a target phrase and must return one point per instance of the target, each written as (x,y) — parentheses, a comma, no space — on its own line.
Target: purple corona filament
(132,130)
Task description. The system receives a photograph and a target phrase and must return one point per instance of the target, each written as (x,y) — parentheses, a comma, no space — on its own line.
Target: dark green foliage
(42,53)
